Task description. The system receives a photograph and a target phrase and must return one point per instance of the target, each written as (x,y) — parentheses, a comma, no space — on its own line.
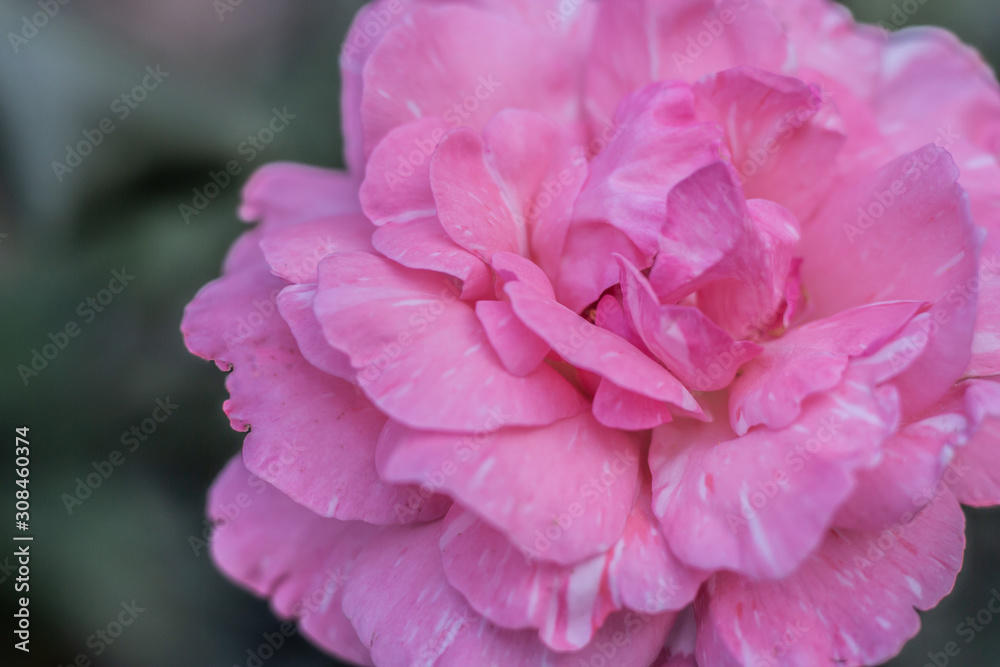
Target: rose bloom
(636,332)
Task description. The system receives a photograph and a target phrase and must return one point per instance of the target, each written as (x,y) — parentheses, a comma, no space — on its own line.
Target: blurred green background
(227,66)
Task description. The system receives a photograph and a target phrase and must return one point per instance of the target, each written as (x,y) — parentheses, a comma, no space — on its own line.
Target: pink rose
(642,332)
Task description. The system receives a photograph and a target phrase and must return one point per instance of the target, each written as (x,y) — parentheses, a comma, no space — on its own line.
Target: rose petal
(808,360)
(639,41)
(904,233)
(464,65)
(487,470)
(697,351)
(850,604)
(281,550)
(423,244)
(430,623)
(595,349)
(422,355)
(294,252)
(760,503)
(282,194)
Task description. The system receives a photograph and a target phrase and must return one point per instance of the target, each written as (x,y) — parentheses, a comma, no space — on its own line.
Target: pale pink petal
(232,314)
(295,303)
(511,190)
(294,252)
(643,573)
(782,134)
(464,65)
(423,244)
(912,463)
(639,41)
(756,302)
(980,175)
(397,175)
(977,462)
(471,203)
(899,353)
(850,604)
(760,503)
(367,30)
(567,603)
(934,88)
(503,474)
(828,43)
(510,267)
(281,550)
(285,403)
(658,145)
(429,622)
(808,360)
(697,351)
(519,349)
(738,254)
(904,233)
(282,194)
(592,348)
(588,267)
(541,172)
(422,356)
(706,223)
(620,408)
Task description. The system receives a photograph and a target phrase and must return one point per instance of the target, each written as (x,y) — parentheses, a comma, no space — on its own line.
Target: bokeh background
(227,67)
